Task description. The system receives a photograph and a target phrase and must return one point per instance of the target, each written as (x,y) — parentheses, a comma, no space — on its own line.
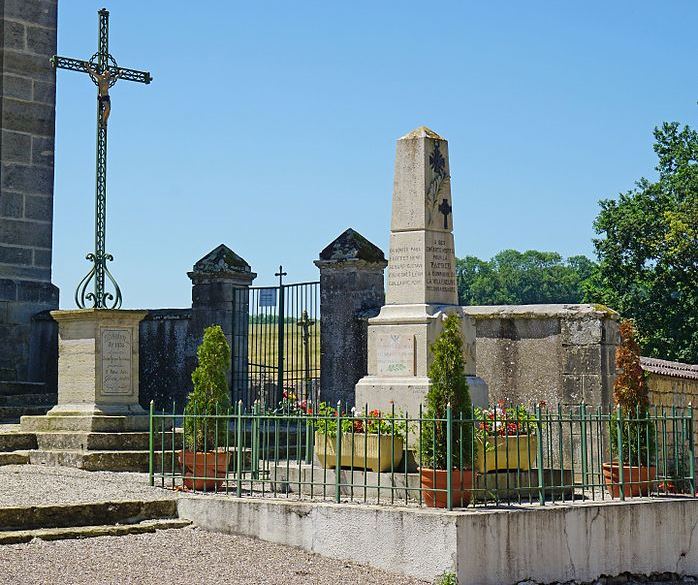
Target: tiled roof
(667,368)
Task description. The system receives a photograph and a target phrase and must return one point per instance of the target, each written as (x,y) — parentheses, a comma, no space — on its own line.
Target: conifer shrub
(210,395)
(631,394)
(448,386)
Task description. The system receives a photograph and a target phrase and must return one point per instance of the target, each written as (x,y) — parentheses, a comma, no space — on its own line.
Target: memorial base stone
(97,372)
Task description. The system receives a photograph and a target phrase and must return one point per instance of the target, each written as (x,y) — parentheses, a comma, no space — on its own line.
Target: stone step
(14,413)
(87,441)
(28,399)
(14,458)
(146,526)
(17,441)
(97,423)
(135,461)
(86,514)
(15,388)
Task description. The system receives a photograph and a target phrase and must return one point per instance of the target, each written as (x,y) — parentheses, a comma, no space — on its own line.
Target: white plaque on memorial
(395,354)
(116,361)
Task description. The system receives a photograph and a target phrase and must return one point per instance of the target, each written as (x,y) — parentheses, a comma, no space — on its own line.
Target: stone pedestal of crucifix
(98,343)
(421,282)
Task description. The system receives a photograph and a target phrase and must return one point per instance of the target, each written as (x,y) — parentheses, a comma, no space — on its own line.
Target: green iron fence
(319,452)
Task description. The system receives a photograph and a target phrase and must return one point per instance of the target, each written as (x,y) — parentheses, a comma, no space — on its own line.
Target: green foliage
(359,422)
(648,250)
(637,432)
(210,395)
(448,386)
(522,278)
(446,578)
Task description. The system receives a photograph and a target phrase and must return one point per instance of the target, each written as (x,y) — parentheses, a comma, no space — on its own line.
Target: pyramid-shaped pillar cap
(350,248)
(222,263)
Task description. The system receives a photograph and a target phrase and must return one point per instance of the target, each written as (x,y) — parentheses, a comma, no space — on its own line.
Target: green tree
(648,250)
(522,278)
(210,395)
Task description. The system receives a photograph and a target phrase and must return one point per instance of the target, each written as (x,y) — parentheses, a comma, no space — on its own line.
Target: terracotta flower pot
(204,470)
(435,481)
(642,478)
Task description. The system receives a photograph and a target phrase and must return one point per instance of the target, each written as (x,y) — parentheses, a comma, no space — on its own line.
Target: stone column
(421,282)
(27,114)
(351,291)
(220,296)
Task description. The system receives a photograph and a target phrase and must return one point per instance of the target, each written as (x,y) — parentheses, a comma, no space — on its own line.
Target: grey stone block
(26,272)
(30,117)
(16,147)
(11,205)
(582,359)
(38,207)
(27,178)
(8,290)
(42,151)
(44,92)
(581,331)
(40,12)
(14,255)
(37,292)
(15,86)
(12,35)
(28,65)
(584,388)
(25,233)
(42,258)
(41,40)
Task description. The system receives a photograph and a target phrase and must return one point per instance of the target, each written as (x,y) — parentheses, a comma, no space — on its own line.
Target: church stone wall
(27,116)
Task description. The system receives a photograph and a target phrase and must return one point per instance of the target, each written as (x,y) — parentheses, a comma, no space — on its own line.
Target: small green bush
(446,578)
(448,386)
(210,395)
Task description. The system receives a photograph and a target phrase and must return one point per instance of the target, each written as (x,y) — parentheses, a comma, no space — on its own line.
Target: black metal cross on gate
(446,209)
(104,72)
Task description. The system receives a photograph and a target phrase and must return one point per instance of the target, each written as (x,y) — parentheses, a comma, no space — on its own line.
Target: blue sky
(271,126)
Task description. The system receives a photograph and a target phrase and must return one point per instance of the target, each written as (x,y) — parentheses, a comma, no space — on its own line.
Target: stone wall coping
(167,314)
(351,264)
(98,314)
(581,311)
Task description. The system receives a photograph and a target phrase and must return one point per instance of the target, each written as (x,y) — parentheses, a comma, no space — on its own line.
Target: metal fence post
(619,429)
(449,456)
(151,445)
(541,476)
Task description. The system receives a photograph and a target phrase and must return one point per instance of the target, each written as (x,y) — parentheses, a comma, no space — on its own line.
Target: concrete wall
(554,353)
(27,117)
(549,544)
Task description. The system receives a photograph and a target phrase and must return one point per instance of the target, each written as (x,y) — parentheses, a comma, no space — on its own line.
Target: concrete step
(16,441)
(136,461)
(22,536)
(97,423)
(18,388)
(14,458)
(86,514)
(28,399)
(14,413)
(87,441)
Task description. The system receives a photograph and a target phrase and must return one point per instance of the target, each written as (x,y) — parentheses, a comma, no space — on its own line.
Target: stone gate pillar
(351,291)
(220,296)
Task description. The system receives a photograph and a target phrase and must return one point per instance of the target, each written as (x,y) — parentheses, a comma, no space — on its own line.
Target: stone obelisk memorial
(421,288)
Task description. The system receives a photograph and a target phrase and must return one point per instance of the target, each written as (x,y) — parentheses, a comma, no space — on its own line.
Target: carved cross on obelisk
(104,72)
(445,208)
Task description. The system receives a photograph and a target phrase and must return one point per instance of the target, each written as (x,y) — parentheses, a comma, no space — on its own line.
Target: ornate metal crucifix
(104,72)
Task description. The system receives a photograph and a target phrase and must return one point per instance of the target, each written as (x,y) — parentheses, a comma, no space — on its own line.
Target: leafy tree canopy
(522,278)
(648,250)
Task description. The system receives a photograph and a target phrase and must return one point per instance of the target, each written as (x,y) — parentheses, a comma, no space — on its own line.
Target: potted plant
(371,440)
(449,388)
(632,434)
(506,438)
(205,463)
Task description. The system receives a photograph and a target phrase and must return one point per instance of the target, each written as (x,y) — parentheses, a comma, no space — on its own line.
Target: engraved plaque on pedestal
(117,346)
(395,355)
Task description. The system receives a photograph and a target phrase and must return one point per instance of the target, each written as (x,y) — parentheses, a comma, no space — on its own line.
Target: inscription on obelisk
(116,361)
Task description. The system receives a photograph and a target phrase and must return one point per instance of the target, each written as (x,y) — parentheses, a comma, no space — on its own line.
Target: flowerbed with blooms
(358,422)
(503,421)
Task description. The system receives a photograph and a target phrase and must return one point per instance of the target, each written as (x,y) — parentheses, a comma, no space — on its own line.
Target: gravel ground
(175,557)
(34,485)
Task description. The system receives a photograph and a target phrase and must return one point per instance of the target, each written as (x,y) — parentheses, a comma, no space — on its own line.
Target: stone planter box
(363,454)
(514,452)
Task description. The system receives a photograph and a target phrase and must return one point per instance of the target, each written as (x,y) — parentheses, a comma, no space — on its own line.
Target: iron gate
(277,339)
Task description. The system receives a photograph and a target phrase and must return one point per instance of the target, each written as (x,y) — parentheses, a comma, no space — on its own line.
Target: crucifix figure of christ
(104,72)
(445,208)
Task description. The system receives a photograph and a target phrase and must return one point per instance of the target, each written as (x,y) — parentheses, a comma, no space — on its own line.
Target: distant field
(263,349)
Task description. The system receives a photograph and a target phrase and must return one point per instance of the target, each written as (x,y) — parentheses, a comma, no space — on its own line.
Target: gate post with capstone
(220,296)
(352,290)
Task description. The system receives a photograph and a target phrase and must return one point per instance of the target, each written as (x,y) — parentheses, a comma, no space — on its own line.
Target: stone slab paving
(36,485)
(175,557)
